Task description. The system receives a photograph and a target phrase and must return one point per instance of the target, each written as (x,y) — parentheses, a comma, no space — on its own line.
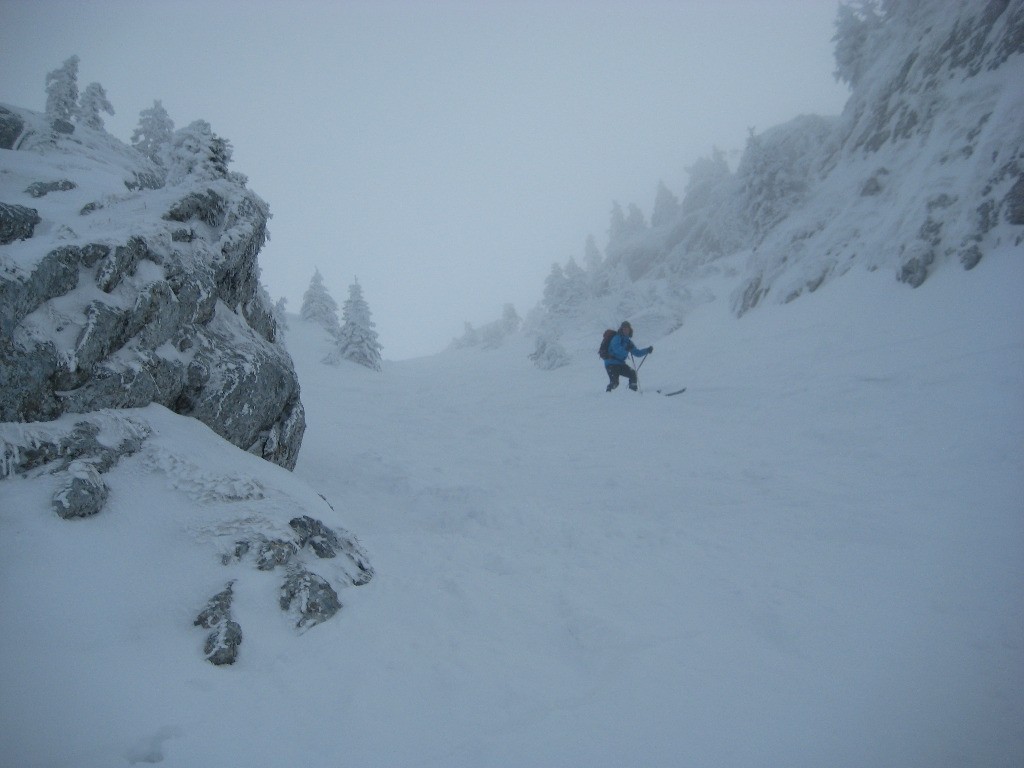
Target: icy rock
(11,127)
(68,449)
(54,275)
(321,539)
(222,643)
(1014,202)
(208,207)
(267,554)
(83,493)
(310,596)
(179,320)
(17,222)
(43,188)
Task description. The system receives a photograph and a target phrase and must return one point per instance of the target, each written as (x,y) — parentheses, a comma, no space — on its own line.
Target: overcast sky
(445,153)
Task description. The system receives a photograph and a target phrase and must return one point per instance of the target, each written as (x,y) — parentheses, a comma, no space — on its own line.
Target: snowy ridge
(924,170)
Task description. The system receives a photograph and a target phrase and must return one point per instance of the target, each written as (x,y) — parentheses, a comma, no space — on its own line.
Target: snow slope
(812,557)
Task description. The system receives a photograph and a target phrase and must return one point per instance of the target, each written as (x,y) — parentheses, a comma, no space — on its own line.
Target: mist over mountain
(747,574)
(923,170)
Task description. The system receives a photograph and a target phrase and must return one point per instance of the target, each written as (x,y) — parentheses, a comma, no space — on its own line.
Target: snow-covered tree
(154,133)
(318,305)
(510,319)
(625,224)
(62,91)
(778,167)
(666,206)
(555,290)
(492,334)
(94,101)
(357,339)
(196,150)
(577,283)
(549,354)
(280,311)
(856,24)
(591,255)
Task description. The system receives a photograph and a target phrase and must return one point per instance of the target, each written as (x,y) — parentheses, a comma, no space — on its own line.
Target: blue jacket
(620,347)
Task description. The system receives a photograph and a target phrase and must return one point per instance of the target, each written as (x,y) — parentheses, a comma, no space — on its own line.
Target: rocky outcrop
(236,516)
(310,597)
(222,643)
(77,460)
(157,301)
(11,127)
(17,222)
(926,164)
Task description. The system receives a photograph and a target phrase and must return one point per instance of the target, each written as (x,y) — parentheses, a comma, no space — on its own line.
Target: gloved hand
(650,349)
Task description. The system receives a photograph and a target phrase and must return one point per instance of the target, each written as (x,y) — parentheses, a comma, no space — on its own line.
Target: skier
(619,348)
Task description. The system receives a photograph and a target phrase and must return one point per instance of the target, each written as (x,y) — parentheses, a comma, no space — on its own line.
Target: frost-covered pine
(556,290)
(666,206)
(154,133)
(197,151)
(357,339)
(856,24)
(280,311)
(565,288)
(625,225)
(318,305)
(510,319)
(62,91)
(591,255)
(94,101)
(548,354)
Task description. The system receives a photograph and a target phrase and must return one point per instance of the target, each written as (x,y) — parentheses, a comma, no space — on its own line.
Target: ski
(669,394)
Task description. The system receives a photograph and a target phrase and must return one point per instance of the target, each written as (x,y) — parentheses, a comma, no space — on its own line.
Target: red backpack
(603,349)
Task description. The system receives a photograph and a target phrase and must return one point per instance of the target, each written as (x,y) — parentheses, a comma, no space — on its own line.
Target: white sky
(445,153)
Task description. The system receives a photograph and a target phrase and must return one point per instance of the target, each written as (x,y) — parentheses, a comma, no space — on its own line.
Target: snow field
(811,557)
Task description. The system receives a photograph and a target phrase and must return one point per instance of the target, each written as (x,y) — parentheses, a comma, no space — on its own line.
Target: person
(619,348)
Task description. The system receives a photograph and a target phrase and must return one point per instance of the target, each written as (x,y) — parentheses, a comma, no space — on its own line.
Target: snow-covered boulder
(118,290)
(174,495)
(17,222)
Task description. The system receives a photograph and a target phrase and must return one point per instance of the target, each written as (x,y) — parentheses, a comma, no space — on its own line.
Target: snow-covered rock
(117,290)
(231,515)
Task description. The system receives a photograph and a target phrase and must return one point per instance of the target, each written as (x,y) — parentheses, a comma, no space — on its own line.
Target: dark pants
(620,369)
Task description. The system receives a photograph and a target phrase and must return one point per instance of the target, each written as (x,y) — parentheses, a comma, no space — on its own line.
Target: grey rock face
(78,459)
(17,222)
(328,543)
(11,127)
(82,493)
(310,597)
(157,316)
(43,188)
(222,643)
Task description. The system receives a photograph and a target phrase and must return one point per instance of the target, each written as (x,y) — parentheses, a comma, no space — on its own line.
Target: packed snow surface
(812,557)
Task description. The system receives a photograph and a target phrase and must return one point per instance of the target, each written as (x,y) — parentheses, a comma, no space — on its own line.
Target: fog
(444,154)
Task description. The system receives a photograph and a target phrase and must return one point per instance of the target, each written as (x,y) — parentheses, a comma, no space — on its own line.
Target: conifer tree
(197,150)
(153,135)
(357,339)
(666,206)
(94,101)
(280,311)
(318,305)
(62,91)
